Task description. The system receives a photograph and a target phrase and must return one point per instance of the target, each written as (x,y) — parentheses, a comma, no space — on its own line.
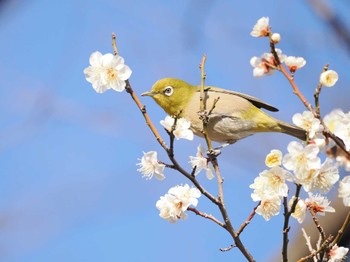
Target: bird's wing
(255,101)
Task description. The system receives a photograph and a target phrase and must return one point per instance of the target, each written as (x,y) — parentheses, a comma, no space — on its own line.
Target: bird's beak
(148,93)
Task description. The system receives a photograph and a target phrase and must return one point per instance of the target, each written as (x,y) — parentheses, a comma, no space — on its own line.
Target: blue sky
(69,189)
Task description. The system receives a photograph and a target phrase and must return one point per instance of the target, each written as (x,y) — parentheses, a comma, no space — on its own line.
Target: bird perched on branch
(232,116)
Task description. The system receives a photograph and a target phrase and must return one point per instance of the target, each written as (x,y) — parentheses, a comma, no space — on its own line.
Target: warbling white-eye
(234,117)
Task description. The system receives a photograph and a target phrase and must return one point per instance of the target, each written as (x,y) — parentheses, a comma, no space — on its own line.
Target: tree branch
(286,227)
(221,205)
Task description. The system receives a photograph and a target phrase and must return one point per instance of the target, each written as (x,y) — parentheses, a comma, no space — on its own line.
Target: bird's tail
(267,123)
(292,130)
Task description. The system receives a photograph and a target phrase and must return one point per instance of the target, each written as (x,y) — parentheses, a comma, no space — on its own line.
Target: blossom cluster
(178,199)
(266,64)
(172,206)
(301,165)
(180,127)
(336,121)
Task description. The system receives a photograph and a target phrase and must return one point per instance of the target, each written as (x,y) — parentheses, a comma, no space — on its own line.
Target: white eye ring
(169,90)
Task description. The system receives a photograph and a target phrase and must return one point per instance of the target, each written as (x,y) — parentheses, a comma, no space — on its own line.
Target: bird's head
(171,94)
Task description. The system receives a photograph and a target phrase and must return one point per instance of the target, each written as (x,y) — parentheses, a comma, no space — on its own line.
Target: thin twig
(114,44)
(308,242)
(290,78)
(336,139)
(172,136)
(273,51)
(203,104)
(145,115)
(193,172)
(205,215)
(296,89)
(319,227)
(317,94)
(250,217)
(138,103)
(341,230)
(167,165)
(321,249)
(214,105)
(225,249)
(286,227)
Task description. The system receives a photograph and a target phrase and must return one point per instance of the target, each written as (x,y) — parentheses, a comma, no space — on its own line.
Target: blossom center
(276,179)
(112,74)
(301,159)
(272,159)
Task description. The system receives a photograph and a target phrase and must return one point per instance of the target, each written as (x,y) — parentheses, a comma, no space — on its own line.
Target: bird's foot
(214,153)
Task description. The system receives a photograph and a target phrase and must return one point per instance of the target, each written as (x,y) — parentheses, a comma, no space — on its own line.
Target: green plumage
(234,117)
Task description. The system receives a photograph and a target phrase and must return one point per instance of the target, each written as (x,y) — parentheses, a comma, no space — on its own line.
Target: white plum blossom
(150,166)
(329,78)
(271,182)
(337,254)
(319,139)
(309,122)
(172,206)
(304,161)
(201,163)
(188,195)
(107,72)
(261,189)
(169,209)
(334,117)
(342,130)
(318,204)
(294,63)
(326,177)
(261,28)
(262,65)
(274,158)
(344,190)
(182,128)
(344,161)
(269,207)
(339,123)
(300,209)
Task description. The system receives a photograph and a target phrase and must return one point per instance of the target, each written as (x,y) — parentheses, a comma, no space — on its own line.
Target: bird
(234,116)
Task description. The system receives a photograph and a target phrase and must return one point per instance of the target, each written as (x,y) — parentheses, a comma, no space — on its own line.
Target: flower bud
(275,38)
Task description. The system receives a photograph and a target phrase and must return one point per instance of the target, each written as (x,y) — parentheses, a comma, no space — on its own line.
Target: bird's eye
(168,90)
